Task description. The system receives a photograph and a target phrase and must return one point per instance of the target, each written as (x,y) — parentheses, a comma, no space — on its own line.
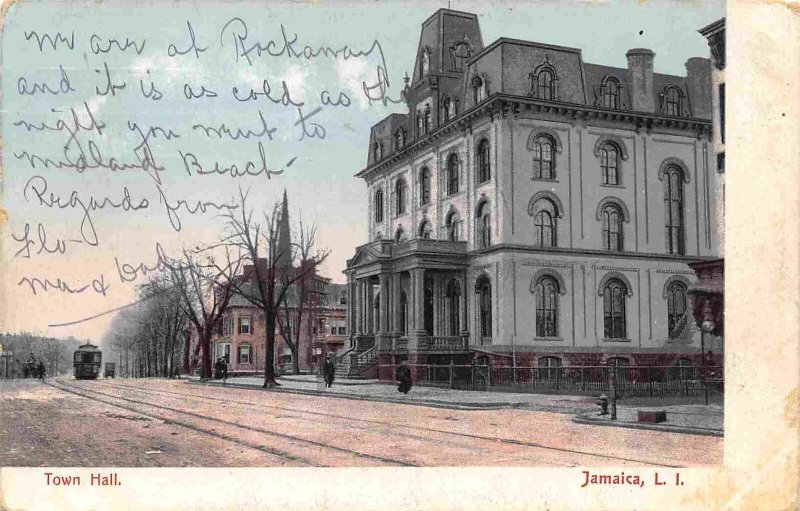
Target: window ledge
(606,339)
(548,180)
(606,185)
(549,339)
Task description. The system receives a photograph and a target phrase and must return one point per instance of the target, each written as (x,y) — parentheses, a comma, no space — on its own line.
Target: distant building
(535,207)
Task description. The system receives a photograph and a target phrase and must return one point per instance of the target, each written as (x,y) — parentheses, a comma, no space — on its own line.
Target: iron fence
(635,381)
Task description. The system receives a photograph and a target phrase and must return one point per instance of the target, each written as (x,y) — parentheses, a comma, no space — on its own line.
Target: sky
(151,45)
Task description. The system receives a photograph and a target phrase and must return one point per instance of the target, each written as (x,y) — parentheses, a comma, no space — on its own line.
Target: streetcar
(86,362)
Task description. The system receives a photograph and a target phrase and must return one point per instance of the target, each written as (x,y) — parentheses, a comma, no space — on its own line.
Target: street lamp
(706,327)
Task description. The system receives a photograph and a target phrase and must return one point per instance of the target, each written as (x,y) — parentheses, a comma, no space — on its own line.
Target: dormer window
(544,81)
(377,151)
(461,53)
(672,101)
(399,139)
(478,89)
(427,119)
(425,63)
(609,91)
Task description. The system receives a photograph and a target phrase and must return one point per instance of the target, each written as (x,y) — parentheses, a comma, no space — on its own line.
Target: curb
(338,382)
(339,395)
(686,430)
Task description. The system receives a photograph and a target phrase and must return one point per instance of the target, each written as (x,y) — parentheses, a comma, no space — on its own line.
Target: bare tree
(265,282)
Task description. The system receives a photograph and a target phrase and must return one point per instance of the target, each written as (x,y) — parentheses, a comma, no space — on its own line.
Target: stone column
(383,328)
(396,304)
(355,291)
(370,307)
(437,304)
(462,306)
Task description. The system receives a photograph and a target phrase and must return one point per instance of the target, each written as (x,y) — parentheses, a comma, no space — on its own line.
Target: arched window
(478,89)
(484,165)
(610,92)
(484,226)
(453,297)
(378,151)
(424,186)
(614,310)
(425,63)
(544,222)
(673,101)
(453,224)
(452,174)
(420,124)
(543,167)
(461,52)
(399,138)
(612,228)
(609,163)
(546,307)
(545,84)
(676,308)
(398,234)
(400,197)
(673,209)
(549,367)
(379,206)
(425,230)
(484,289)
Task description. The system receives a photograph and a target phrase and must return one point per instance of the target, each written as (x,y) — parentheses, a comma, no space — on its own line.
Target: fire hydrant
(603,402)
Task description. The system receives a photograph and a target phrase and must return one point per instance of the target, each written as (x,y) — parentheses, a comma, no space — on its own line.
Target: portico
(409,296)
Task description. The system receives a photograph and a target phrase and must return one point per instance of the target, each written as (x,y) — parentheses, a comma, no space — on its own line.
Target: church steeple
(283,260)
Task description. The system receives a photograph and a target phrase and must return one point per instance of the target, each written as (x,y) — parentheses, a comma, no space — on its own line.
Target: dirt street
(146,423)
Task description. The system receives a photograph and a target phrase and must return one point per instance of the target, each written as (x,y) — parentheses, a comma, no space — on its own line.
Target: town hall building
(534,207)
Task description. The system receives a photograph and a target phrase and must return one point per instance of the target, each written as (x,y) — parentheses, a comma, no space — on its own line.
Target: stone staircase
(352,363)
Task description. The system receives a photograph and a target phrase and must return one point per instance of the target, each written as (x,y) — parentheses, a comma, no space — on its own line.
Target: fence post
(452,375)
(583,379)
(558,377)
(429,373)
(489,373)
(685,384)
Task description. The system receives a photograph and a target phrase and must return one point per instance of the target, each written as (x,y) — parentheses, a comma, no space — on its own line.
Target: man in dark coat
(224,367)
(329,372)
(218,369)
(40,370)
(404,377)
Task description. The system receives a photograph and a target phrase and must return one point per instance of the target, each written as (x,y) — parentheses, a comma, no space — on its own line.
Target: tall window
(461,53)
(379,206)
(549,367)
(545,84)
(425,64)
(453,224)
(485,306)
(447,109)
(378,151)
(425,230)
(243,355)
(427,119)
(609,164)
(424,186)
(544,222)
(399,138)
(546,307)
(403,312)
(484,227)
(543,167)
(484,165)
(676,307)
(610,93)
(453,295)
(722,113)
(452,174)
(673,209)
(614,310)
(612,228)
(673,101)
(244,324)
(400,197)
(420,124)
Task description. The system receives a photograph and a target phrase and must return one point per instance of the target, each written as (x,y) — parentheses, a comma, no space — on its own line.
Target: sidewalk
(373,390)
(690,419)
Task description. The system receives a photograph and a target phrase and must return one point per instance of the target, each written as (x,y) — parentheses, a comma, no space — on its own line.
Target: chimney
(698,82)
(640,68)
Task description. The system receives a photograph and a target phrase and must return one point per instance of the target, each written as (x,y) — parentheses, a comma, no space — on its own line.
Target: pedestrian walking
(224,369)
(40,370)
(329,372)
(403,377)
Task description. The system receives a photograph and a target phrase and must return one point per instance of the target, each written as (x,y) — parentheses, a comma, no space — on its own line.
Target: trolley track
(394,426)
(277,453)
